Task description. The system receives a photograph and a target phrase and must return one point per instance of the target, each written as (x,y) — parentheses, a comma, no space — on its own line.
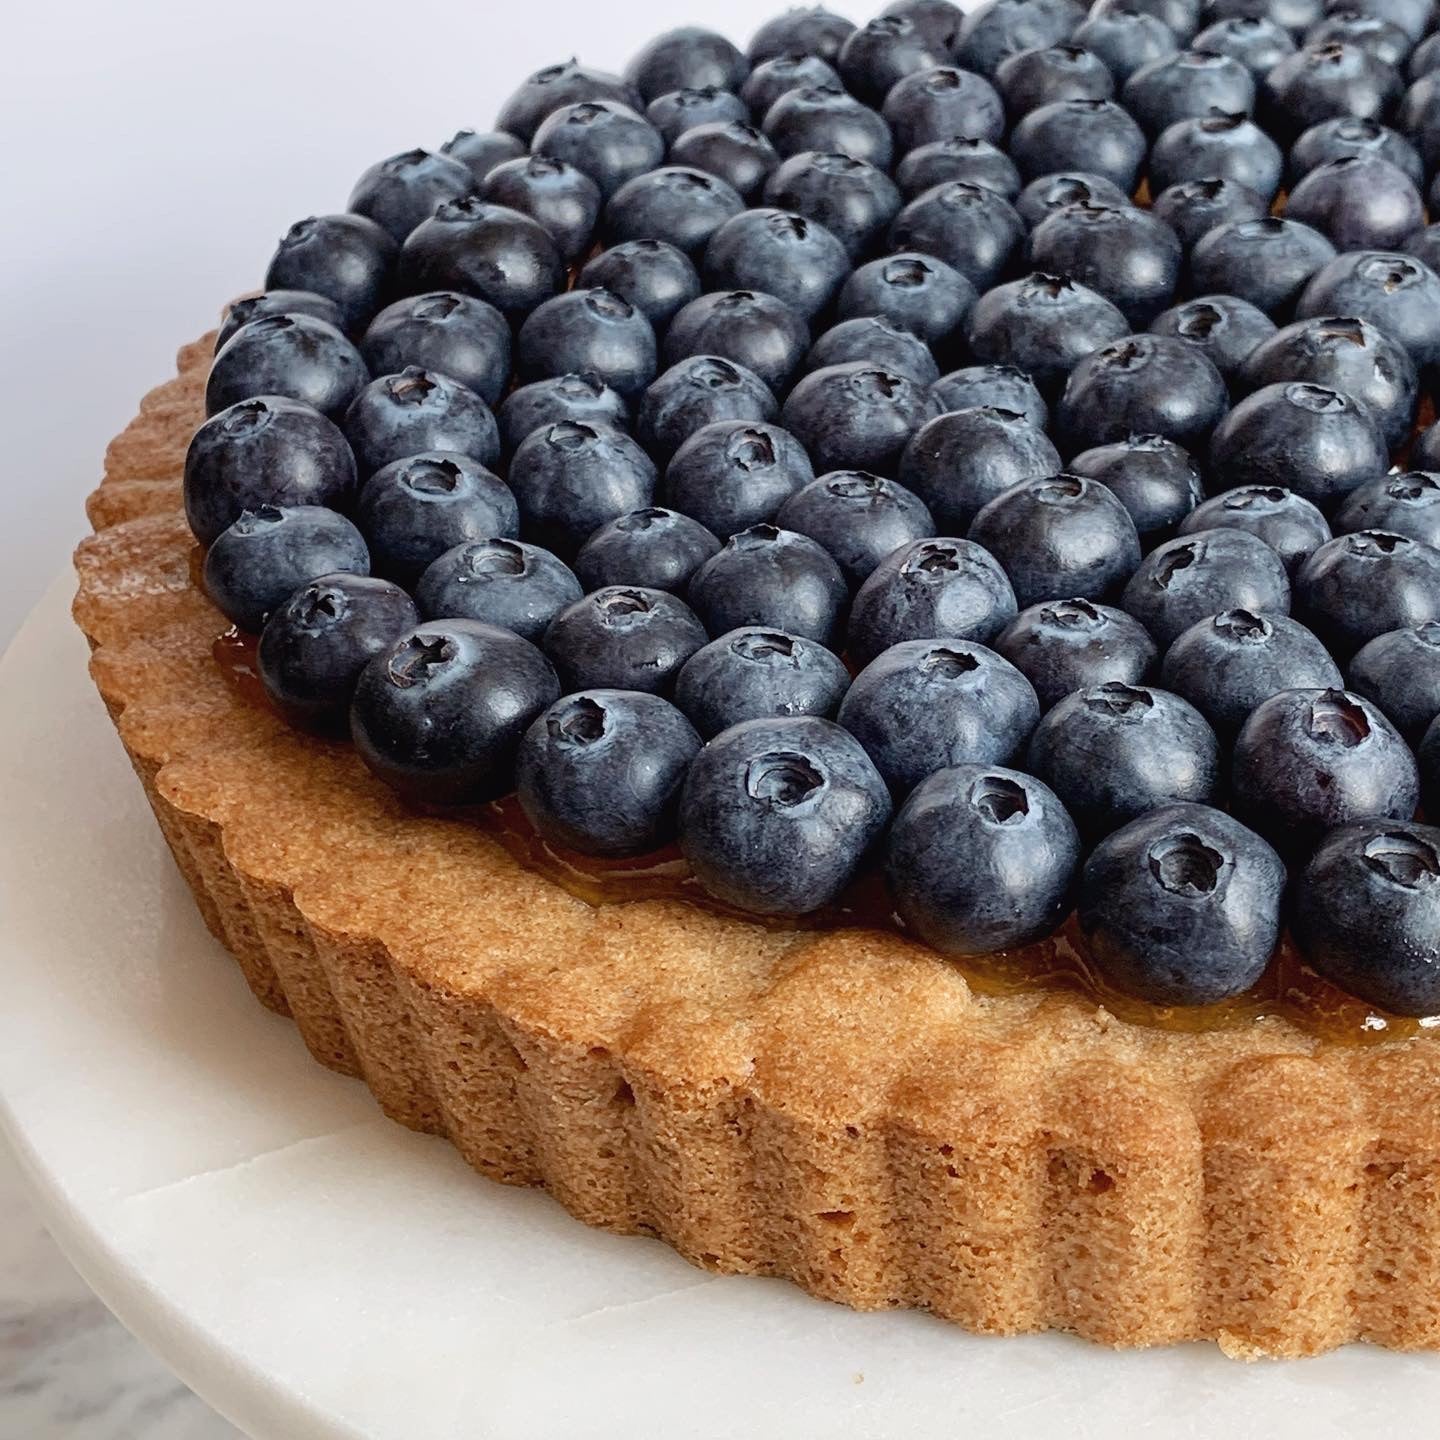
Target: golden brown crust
(839,1108)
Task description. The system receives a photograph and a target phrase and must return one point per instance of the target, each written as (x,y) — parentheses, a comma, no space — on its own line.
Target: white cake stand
(315,1271)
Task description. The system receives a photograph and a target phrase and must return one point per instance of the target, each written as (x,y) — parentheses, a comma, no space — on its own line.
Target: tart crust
(839,1108)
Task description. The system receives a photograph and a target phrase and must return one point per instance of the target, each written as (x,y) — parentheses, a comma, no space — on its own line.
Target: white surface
(316,1271)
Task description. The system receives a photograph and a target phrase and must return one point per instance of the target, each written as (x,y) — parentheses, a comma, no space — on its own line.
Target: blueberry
(1323,81)
(572,477)
(1065,645)
(1400,672)
(999,386)
(1267,261)
(1394,292)
(770,577)
(268,553)
(1407,503)
(748,327)
(874,338)
(688,57)
(1153,478)
(485,250)
(1193,208)
(1256,41)
(778,251)
(852,199)
(856,416)
(923,705)
(624,637)
(1182,907)
(439,714)
(346,258)
(1364,584)
(938,20)
(932,589)
(732,474)
(295,356)
(1127,255)
(1188,85)
(1032,78)
(1225,330)
(940,102)
(549,89)
(677,111)
(1143,385)
(799,32)
(1426,451)
(754,673)
(656,278)
(695,393)
(1218,146)
(655,548)
(1429,757)
(553,193)
(1424,58)
(605,140)
(916,292)
(398,193)
(882,53)
(1414,17)
(1230,663)
(680,205)
(507,583)
(1042,197)
(1126,40)
(591,332)
(1001,28)
(826,118)
(480,151)
(1305,437)
(458,335)
(1197,575)
(1419,119)
(1288,523)
(736,152)
(1346,136)
(1309,760)
(1424,245)
(315,645)
(584,398)
(961,460)
(793,70)
(981,859)
(961,157)
(600,772)
(400,415)
(1360,202)
(1372,33)
(268,451)
(277,302)
(970,228)
(777,814)
(858,518)
(1094,136)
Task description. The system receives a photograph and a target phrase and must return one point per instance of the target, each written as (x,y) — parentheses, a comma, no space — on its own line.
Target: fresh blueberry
(748,327)
(1193,208)
(882,53)
(549,89)
(1188,85)
(583,398)
(1094,136)
(482,150)
(936,104)
(828,119)
(1322,81)
(398,193)
(1126,254)
(1153,478)
(1425,58)
(1366,583)
(916,292)
(1424,245)
(1373,33)
(507,583)
(1042,197)
(295,356)
(961,157)
(686,58)
(697,392)
(1182,906)
(778,251)
(1126,40)
(439,714)
(1400,672)
(1414,17)
(674,113)
(656,278)
(770,577)
(315,645)
(1288,523)
(268,451)
(1429,757)
(1001,28)
(858,518)
(400,415)
(1266,261)
(753,674)
(1065,645)
(1225,330)
(803,31)
(732,474)
(607,141)
(1197,575)
(1406,503)
(999,386)
(654,548)
(1419,118)
(1032,78)
(1426,451)
(1361,202)
(852,199)
(1345,136)
(553,193)
(624,637)
(346,258)
(1256,41)
(856,416)
(938,20)
(1218,146)
(970,228)
(942,589)
(572,477)
(600,772)
(1394,292)
(793,70)
(777,814)
(736,152)
(589,332)
(277,302)
(874,338)
(676,204)
(457,335)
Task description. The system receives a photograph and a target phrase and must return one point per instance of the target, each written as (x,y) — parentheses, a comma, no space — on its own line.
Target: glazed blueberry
(1230,663)
(413,510)
(880,54)
(624,637)
(1309,760)
(555,86)
(1193,208)
(748,327)
(553,193)
(267,554)
(1126,40)
(592,332)
(1143,385)
(923,705)
(1001,28)
(916,292)
(1348,355)
(981,859)
(856,416)
(315,645)
(970,228)
(1032,78)
(584,398)
(768,81)
(795,259)
(1367,914)
(457,335)
(507,583)
(1042,197)
(736,152)
(480,151)
(1267,261)
(852,199)
(1372,33)
(770,577)
(1095,136)
(677,111)
(439,714)
(1345,136)
(961,157)
(874,338)
(1288,523)
(1394,292)
(295,356)
(656,278)
(941,588)
(1065,645)
(1060,536)
(572,477)
(811,30)
(268,451)
(1323,81)
(732,474)
(1225,330)
(677,204)
(697,392)
(858,518)
(1153,478)
(484,250)
(754,673)
(1218,146)
(935,104)
(1127,255)
(1400,672)
(600,772)
(1197,575)
(398,193)
(961,460)
(655,548)
(1188,85)
(1304,437)
(607,141)
(1364,584)
(1001,387)
(688,57)
(1407,503)
(1182,906)
(827,119)
(277,302)
(1256,41)
(400,415)
(1360,202)
(777,814)
(346,258)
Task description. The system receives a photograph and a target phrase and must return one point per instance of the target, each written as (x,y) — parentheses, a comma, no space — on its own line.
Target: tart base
(838,1108)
